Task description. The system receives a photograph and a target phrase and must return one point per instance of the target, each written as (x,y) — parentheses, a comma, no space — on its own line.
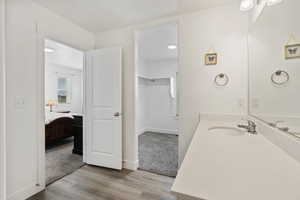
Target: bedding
(51,116)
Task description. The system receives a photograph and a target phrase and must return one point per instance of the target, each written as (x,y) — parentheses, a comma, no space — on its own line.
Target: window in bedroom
(64,90)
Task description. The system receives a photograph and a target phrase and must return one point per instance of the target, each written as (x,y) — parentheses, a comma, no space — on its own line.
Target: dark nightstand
(78,134)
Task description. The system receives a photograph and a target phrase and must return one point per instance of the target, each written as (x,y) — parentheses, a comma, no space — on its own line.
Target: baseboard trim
(184,196)
(157,130)
(131,165)
(26,192)
(139,132)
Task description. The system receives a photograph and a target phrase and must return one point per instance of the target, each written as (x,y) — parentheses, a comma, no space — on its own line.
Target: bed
(58,126)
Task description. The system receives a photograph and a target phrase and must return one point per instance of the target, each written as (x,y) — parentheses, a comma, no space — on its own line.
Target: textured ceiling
(99,15)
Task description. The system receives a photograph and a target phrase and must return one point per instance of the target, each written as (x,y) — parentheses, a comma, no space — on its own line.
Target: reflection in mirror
(274,57)
(64,90)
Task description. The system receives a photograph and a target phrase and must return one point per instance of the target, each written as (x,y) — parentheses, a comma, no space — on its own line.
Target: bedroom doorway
(63,98)
(157,99)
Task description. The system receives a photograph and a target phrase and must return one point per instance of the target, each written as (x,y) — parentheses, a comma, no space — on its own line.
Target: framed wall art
(292,51)
(211,59)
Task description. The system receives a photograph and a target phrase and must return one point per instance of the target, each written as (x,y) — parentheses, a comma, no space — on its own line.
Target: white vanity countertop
(248,167)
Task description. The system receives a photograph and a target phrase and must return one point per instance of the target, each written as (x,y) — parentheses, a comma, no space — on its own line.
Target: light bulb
(172,47)
(49,50)
(246,5)
(273,2)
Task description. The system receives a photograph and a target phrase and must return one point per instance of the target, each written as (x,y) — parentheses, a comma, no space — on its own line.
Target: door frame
(41,152)
(2,102)
(137,31)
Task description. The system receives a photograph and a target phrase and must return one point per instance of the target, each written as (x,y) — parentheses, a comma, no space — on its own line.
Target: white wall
(24,88)
(2,102)
(222,27)
(267,38)
(225,28)
(53,72)
(152,42)
(156,110)
(142,105)
(64,62)
(158,68)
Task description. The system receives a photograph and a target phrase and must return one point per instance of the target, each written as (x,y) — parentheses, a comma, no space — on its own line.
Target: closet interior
(157,102)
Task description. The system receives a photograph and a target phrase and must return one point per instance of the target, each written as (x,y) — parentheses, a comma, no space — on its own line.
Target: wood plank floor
(93,183)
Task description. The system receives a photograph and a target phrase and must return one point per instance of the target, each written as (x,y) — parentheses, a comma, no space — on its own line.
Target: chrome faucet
(275,124)
(251,127)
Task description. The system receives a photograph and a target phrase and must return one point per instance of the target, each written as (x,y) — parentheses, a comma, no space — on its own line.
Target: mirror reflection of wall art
(211,59)
(292,51)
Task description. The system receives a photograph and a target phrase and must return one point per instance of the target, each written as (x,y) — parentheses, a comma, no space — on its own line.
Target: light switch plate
(255,103)
(241,102)
(19,102)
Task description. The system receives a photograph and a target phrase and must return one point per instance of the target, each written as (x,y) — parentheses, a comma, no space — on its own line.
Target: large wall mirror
(274,70)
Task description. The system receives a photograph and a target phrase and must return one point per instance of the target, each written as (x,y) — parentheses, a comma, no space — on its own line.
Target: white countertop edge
(289,144)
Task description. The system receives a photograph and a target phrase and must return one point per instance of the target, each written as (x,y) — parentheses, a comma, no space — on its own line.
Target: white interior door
(103,118)
(2,103)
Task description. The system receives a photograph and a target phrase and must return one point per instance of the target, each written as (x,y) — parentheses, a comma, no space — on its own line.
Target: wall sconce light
(247,5)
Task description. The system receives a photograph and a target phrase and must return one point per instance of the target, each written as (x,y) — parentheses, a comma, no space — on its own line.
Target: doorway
(80,96)
(63,96)
(157,99)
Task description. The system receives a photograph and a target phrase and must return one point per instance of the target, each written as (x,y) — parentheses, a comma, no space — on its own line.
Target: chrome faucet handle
(250,122)
(284,129)
(251,127)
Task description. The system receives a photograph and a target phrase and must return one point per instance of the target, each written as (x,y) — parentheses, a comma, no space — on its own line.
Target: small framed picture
(211,59)
(292,51)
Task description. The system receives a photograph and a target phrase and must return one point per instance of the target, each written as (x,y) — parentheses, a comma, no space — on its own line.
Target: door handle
(117,114)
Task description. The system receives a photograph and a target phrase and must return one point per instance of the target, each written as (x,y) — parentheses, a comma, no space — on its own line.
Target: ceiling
(63,55)
(99,15)
(153,43)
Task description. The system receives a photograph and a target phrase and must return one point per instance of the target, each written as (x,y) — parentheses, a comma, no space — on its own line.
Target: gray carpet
(158,153)
(60,161)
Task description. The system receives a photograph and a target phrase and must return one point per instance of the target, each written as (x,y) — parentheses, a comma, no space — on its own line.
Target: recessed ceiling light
(172,47)
(49,50)
(246,5)
(273,2)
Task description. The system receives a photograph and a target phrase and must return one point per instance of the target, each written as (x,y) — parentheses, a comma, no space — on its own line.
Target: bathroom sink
(232,131)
